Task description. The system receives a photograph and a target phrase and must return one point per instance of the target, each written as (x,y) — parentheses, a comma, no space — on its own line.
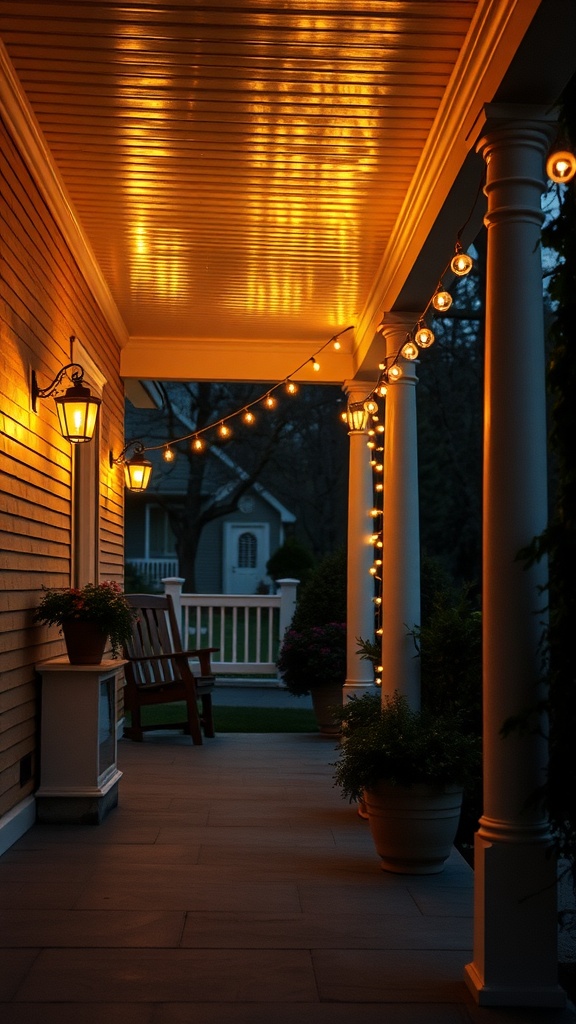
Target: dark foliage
(323,598)
(291,561)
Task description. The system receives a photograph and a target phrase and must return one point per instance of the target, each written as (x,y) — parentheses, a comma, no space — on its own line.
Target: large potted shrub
(388,747)
(312,657)
(409,769)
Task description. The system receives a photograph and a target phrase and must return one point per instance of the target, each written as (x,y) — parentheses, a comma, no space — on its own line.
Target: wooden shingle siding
(43,302)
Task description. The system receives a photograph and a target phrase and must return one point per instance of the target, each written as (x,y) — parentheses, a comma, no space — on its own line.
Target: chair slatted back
(155,632)
(158,671)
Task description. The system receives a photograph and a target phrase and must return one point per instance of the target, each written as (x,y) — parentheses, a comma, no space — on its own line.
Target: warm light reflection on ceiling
(227,165)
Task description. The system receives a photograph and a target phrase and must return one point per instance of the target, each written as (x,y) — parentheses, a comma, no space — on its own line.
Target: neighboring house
(234,549)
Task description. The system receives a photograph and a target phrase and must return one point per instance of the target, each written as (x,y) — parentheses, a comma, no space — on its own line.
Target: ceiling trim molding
(495,35)
(21,122)
(184,359)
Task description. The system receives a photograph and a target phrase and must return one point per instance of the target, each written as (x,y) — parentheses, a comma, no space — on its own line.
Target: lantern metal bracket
(138,447)
(76,377)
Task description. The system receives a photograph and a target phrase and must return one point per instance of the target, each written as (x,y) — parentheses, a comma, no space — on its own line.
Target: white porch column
(360,585)
(515,932)
(401,528)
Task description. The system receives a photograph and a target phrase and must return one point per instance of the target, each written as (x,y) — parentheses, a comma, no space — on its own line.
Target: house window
(247,551)
(161,540)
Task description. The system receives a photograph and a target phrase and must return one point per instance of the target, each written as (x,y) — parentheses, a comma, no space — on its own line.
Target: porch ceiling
(251,178)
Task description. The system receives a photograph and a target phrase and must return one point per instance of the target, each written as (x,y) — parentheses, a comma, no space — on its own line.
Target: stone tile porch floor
(232,885)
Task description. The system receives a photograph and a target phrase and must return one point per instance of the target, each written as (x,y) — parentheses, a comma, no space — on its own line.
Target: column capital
(498,120)
(394,328)
(357,390)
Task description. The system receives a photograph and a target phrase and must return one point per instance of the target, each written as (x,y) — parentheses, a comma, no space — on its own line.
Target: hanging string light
(441,300)
(561,166)
(423,336)
(409,349)
(197,442)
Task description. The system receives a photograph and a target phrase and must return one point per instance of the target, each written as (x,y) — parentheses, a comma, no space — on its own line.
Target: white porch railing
(247,628)
(154,570)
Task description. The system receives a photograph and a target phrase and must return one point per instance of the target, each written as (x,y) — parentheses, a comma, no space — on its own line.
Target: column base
(515,920)
(552,997)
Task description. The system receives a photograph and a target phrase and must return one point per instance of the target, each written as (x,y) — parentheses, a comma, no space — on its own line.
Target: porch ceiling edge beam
(216,360)
(496,33)
(21,122)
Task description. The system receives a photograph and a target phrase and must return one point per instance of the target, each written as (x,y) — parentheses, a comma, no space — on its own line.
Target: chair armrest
(203,655)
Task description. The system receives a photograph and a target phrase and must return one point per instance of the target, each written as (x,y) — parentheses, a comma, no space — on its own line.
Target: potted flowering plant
(313,656)
(99,609)
(313,660)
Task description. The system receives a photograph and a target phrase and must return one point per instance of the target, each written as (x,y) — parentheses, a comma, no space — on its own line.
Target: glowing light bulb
(442,300)
(372,570)
(270,402)
(373,538)
(371,406)
(224,430)
(315,364)
(561,166)
(382,390)
(461,263)
(395,372)
(291,387)
(249,417)
(198,445)
(379,487)
(370,444)
(410,350)
(423,336)
(377,600)
(168,454)
(337,346)
(374,512)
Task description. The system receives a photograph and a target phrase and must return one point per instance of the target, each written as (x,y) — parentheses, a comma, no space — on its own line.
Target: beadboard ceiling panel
(238,169)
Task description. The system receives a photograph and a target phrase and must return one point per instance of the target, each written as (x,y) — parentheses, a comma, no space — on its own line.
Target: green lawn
(234,719)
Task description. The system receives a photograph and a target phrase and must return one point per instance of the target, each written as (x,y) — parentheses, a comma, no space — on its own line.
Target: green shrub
(291,561)
(323,598)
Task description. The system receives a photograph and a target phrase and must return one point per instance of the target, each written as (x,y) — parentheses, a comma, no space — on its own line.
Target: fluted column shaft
(360,586)
(401,528)
(515,905)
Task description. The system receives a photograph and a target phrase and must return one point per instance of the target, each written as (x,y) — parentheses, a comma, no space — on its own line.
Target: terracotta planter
(323,699)
(85,642)
(414,827)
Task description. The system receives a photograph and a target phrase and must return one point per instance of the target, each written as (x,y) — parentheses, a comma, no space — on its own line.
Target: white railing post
(173,586)
(288,589)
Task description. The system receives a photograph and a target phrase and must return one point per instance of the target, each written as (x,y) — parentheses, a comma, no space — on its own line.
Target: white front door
(246,551)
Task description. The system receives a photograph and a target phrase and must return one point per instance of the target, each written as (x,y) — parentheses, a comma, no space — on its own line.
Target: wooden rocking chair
(159,671)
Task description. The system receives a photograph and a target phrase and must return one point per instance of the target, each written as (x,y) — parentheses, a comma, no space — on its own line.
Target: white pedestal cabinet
(78,773)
